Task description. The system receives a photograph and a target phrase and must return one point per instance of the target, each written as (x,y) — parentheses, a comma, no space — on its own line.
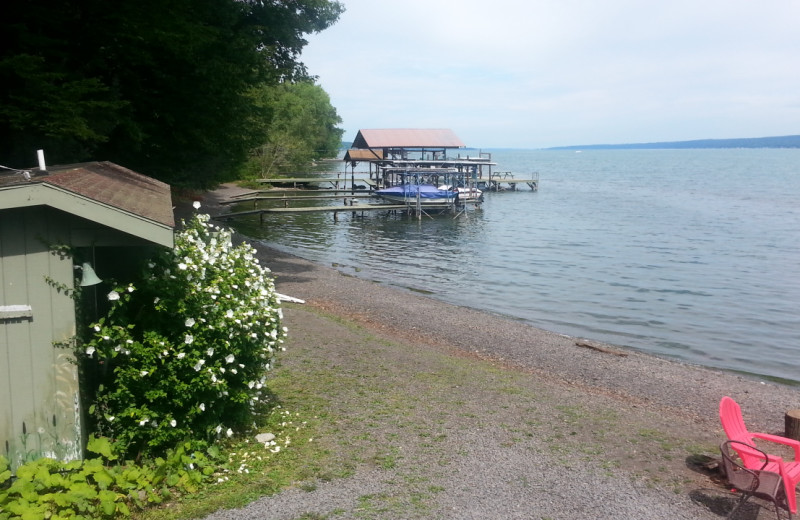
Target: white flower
(218,428)
(182,266)
(131,288)
(144,421)
(210,352)
(196,204)
(144,373)
(113,295)
(181,355)
(189,322)
(97,328)
(229,358)
(173,423)
(199,365)
(202,407)
(90,351)
(156,300)
(229,433)
(229,313)
(189,339)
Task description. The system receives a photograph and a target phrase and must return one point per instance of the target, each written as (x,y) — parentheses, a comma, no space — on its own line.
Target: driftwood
(599,348)
(283,298)
(793,424)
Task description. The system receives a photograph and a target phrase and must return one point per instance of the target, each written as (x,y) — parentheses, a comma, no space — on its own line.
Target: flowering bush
(184,353)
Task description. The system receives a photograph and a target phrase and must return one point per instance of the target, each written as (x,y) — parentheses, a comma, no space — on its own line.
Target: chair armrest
(780,440)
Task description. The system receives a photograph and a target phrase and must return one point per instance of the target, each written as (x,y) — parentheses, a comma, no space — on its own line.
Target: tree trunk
(793,424)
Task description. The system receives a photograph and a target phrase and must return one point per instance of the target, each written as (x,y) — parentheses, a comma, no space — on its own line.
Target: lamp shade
(89,276)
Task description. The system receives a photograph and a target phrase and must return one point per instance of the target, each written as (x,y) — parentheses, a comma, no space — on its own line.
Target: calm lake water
(688,254)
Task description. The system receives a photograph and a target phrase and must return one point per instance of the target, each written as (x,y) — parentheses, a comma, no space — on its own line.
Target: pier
(351,204)
(394,158)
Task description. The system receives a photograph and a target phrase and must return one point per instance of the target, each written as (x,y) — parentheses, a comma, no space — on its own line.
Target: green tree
(299,126)
(160,87)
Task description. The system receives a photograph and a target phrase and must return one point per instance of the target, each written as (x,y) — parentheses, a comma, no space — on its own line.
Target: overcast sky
(541,73)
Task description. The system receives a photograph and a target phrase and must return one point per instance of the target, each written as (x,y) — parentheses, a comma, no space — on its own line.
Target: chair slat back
(730,415)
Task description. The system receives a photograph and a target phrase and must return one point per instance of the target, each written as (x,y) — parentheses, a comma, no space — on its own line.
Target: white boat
(466,193)
(413,193)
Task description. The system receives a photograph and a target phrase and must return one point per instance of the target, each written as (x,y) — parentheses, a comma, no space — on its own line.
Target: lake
(687,254)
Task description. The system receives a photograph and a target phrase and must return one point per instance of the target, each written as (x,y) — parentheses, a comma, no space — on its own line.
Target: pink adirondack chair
(730,414)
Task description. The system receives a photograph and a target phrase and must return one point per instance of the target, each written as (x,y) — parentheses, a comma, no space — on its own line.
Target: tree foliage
(299,127)
(161,87)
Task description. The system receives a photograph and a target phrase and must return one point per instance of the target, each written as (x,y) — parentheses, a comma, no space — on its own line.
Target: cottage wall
(39,398)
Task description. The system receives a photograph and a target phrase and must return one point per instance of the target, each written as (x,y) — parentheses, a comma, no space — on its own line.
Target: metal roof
(407,138)
(103,192)
(363,155)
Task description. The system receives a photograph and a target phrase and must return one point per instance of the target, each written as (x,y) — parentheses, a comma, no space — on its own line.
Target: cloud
(547,73)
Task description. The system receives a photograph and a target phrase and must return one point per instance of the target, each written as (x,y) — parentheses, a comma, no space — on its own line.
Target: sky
(544,73)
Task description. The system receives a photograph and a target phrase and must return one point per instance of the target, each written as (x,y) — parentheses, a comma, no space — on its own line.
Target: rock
(264,437)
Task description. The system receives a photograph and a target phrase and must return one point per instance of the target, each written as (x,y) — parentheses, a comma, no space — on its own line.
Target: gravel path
(492,418)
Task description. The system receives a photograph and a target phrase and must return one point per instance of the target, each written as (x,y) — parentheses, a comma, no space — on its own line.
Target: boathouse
(390,153)
(63,228)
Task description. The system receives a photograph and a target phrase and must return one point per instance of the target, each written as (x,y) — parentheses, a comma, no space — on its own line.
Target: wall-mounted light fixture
(88,276)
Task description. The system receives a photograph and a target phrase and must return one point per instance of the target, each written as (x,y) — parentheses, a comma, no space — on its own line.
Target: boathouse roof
(407,138)
(363,155)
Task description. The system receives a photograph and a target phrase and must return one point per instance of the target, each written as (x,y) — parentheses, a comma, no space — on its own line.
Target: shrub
(95,488)
(183,353)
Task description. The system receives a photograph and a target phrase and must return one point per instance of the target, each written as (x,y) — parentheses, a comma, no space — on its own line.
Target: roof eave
(43,194)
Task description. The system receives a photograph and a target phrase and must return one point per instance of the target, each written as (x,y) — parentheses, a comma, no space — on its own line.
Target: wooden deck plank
(300,196)
(329,209)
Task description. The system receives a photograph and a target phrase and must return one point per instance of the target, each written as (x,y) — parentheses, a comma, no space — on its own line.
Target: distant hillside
(787,141)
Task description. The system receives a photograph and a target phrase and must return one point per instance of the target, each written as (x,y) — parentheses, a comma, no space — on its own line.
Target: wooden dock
(498,181)
(334,181)
(300,195)
(353,207)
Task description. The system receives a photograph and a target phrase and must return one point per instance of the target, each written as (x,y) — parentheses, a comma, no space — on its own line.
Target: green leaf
(108,501)
(101,446)
(103,479)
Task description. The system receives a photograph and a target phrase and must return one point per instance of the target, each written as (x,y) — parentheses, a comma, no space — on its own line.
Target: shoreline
(641,413)
(692,388)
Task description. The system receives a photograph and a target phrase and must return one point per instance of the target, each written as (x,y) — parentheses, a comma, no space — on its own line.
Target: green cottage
(84,222)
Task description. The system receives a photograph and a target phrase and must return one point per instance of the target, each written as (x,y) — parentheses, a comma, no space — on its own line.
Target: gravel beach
(491,418)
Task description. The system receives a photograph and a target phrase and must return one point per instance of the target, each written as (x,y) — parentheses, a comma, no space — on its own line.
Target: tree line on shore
(786,141)
(192,92)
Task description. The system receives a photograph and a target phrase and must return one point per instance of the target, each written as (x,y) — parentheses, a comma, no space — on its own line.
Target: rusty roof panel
(363,155)
(407,138)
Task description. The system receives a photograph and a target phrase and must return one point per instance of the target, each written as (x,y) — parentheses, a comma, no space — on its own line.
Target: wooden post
(793,424)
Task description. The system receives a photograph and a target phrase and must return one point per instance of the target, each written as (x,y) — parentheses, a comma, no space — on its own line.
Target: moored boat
(466,194)
(422,193)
